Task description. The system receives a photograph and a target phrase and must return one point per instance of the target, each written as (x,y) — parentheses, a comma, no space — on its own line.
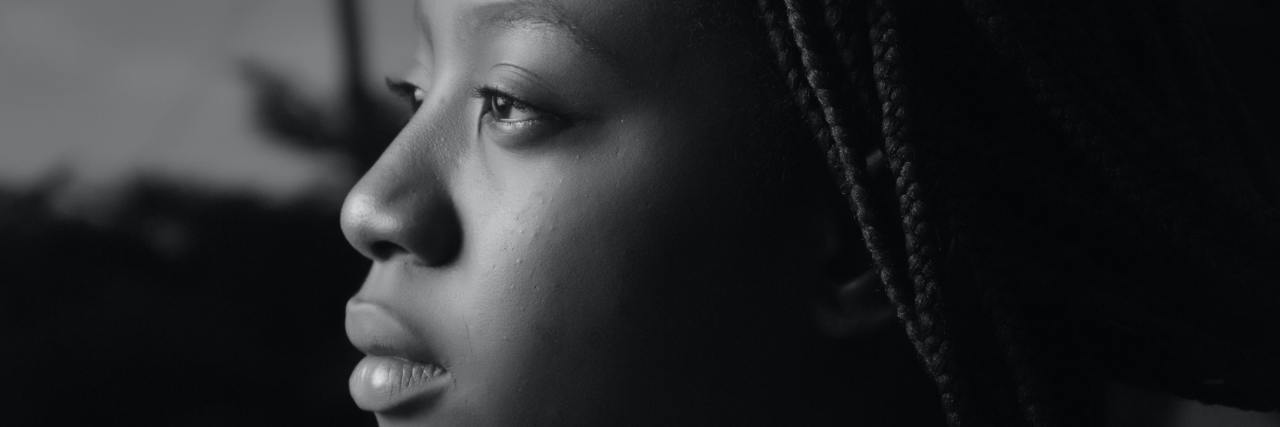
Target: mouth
(398,372)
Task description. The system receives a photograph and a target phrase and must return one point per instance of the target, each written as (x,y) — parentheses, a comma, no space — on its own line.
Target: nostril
(385,250)
(387,216)
(426,230)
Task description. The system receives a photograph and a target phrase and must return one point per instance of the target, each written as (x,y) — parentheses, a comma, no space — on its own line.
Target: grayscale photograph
(872,213)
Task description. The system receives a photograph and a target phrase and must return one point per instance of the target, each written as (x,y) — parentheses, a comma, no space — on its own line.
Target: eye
(410,93)
(510,112)
(507,109)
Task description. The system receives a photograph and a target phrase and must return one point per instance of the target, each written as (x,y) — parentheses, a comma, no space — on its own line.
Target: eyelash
(490,96)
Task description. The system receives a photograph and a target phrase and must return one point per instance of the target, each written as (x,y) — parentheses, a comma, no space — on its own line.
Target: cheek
(545,288)
(599,274)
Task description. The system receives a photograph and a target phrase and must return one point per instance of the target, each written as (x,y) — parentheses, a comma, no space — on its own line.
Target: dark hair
(1078,197)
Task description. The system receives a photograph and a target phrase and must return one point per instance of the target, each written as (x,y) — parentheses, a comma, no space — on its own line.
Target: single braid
(853,46)
(934,341)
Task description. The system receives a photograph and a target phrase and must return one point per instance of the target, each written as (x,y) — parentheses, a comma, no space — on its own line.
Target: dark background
(170,250)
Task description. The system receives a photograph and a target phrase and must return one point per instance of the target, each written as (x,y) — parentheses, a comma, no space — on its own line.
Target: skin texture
(642,249)
(641,241)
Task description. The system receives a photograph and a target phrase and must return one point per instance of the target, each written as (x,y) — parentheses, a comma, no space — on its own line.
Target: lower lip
(381,384)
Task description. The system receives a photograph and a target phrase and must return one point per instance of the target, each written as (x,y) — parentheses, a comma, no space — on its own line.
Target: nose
(402,208)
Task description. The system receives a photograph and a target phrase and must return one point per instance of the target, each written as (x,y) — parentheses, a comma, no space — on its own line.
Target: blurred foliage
(157,302)
(357,128)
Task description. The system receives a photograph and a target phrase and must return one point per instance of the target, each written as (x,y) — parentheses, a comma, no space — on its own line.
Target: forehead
(587,13)
(635,32)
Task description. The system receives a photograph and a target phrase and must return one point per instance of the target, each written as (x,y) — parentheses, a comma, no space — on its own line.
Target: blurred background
(170,177)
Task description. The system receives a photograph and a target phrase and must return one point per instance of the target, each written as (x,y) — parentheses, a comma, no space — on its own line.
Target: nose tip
(361,223)
(422,225)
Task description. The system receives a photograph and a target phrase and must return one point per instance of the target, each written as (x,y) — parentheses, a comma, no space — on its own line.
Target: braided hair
(1050,163)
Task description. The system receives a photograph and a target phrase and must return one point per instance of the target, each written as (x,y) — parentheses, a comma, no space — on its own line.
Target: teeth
(379,382)
(417,373)
(413,373)
(407,376)
(394,376)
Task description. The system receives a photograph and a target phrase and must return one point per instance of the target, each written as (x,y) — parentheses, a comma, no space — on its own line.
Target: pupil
(502,107)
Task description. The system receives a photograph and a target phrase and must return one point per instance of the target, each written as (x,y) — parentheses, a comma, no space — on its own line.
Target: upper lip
(378,331)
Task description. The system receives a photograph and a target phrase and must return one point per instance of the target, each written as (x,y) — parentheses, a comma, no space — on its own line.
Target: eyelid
(521,84)
(485,93)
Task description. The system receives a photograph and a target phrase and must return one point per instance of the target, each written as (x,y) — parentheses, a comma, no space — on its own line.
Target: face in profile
(592,218)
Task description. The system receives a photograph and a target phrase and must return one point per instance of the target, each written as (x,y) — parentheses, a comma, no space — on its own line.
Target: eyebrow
(538,13)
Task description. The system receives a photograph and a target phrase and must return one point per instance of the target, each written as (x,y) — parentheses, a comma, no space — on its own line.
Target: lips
(399,371)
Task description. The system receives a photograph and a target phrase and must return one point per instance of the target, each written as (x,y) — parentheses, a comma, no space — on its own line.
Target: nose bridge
(403,207)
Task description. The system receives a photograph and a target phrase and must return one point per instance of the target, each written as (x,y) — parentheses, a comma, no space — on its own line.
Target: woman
(618,212)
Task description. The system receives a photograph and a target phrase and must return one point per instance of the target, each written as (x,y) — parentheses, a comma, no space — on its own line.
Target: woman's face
(589,220)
